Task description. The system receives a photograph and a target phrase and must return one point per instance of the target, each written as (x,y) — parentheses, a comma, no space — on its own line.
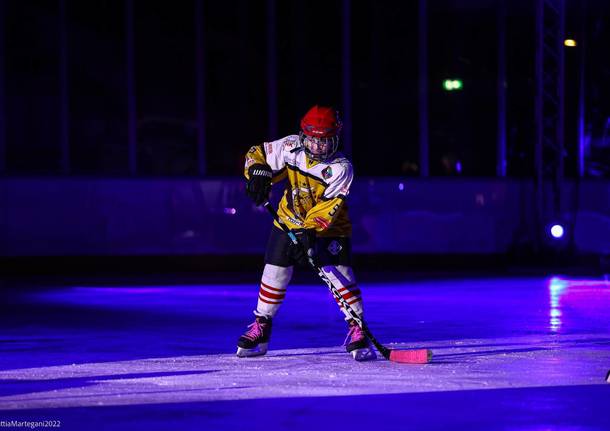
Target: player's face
(317,146)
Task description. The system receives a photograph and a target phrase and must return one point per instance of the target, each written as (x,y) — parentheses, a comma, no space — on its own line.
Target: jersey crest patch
(327,173)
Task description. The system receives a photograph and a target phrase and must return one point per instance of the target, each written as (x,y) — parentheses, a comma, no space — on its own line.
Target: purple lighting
(401,187)
(155,353)
(458,167)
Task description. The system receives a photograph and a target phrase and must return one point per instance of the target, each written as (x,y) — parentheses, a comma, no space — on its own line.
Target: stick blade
(418,356)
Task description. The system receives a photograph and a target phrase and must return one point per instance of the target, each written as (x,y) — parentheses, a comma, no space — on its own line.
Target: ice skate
(358,345)
(256,339)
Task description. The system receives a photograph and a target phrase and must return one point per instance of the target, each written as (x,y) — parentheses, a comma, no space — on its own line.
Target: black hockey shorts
(329,251)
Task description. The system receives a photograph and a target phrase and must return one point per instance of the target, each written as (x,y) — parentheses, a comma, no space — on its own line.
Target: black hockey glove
(306,247)
(259,184)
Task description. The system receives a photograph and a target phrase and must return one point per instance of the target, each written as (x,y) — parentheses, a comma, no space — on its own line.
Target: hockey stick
(417,356)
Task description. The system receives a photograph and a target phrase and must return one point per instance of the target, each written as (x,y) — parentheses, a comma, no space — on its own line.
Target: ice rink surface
(510,353)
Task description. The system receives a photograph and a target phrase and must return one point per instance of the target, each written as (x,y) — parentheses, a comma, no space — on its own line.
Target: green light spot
(452,84)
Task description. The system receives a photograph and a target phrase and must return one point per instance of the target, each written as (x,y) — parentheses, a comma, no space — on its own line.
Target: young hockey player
(313,206)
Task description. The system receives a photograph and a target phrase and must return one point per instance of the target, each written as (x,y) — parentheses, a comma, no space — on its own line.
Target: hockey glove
(259,184)
(306,247)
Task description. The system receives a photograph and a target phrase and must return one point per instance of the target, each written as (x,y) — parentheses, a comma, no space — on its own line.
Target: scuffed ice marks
(472,364)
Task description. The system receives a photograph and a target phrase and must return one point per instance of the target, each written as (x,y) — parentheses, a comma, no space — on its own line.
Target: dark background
(384,44)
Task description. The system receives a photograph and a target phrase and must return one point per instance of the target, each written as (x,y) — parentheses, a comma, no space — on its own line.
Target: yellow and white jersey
(315,192)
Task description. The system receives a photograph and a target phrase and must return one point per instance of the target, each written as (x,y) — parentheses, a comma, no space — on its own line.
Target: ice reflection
(557,287)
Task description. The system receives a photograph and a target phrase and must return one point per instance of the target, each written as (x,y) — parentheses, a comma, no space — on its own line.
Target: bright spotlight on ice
(557,231)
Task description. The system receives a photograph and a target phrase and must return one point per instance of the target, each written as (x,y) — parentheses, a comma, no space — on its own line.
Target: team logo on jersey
(302,199)
(327,173)
(334,248)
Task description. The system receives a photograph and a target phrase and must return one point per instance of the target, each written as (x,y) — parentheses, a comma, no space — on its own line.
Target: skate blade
(259,350)
(366,354)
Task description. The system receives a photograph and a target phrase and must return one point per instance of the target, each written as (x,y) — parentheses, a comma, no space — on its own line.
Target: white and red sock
(272,290)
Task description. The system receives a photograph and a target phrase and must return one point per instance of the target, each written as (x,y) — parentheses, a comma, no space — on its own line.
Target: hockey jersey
(315,192)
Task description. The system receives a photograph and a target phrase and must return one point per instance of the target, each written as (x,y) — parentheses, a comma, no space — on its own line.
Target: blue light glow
(557,287)
(401,187)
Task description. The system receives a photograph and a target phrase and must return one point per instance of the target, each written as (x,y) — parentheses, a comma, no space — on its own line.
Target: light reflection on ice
(583,294)
(557,287)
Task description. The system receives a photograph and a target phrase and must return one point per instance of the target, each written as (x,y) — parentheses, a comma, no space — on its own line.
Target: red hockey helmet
(320,128)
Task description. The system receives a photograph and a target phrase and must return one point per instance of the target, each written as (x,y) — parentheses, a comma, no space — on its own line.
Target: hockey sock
(343,278)
(272,290)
